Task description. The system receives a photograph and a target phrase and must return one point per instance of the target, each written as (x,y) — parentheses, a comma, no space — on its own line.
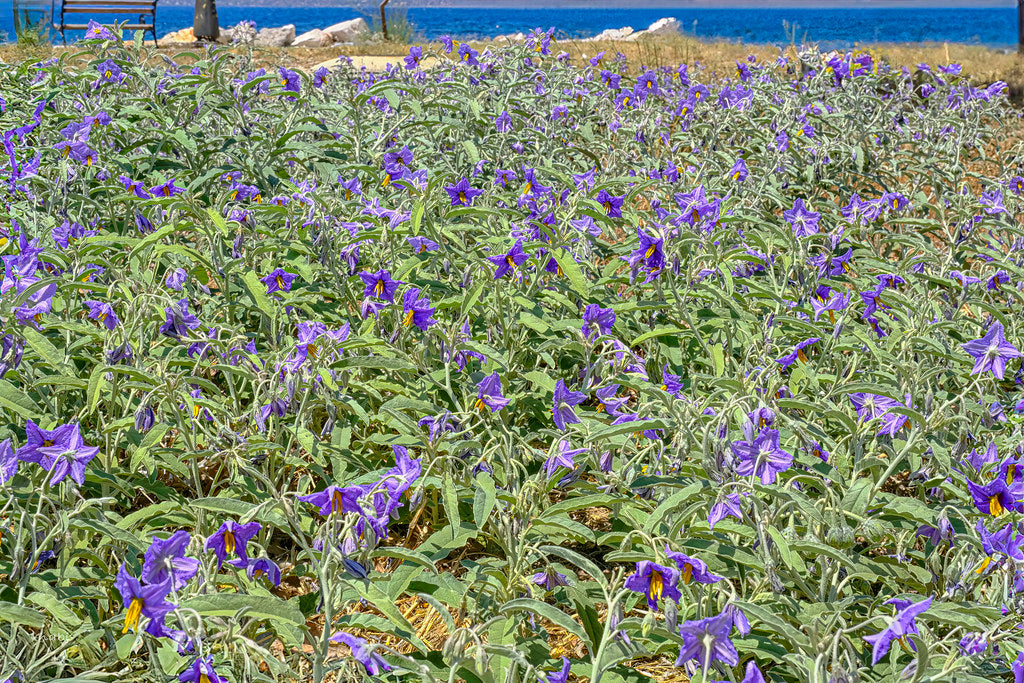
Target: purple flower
(142,601)
(232,537)
(421,244)
(996,497)
(60,451)
(691,569)
(412,60)
(490,394)
(871,406)
(336,499)
(279,280)
(503,122)
(763,457)
(560,676)
(738,172)
(550,579)
(201,671)
(176,279)
(649,252)
(289,80)
(564,401)
(509,261)
(562,458)
(707,641)
(609,401)
(461,194)
(673,384)
(991,352)
(165,561)
(611,204)
(363,653)
(320,77)
(654,581)
(417,310)
(597,320)
(103,314)
(380,284)
(797,353)
(803,221)
(179,320)
(902,625)
(8,461)
(168,189)
(729,506)
(264,566)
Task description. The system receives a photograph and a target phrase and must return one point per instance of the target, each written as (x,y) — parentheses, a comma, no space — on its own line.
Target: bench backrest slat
(144,9)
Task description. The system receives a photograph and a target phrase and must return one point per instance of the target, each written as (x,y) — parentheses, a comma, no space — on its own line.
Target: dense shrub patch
(509,369)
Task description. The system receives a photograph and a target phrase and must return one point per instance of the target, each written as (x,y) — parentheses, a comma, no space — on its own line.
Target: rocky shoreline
(355,30)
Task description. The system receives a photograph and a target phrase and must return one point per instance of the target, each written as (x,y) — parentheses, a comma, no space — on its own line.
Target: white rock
(347,31)
(225,35)
(276,37)
(314,38)
(613,34)
(665,26)
(509,37)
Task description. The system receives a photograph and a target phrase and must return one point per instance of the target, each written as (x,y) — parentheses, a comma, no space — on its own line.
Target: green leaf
(18,401)
(571,270)
(546,611)
(268,607)
(16,614)
(484,498)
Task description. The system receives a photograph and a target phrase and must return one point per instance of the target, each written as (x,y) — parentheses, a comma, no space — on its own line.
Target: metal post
(1020,27)
(384,19)
(204,25)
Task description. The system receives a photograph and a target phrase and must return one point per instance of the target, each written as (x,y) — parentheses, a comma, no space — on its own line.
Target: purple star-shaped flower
(564,401)
(179,320)
(707,641)
(654,581)
(279,280)
(336,499)
(563,457)
(201,671)
(902,625)
(509,261)
(489,393)
(462,193)
(165,561)
(232,537)
(102,313)
(597,320)
(611,204)
(142,601)
(363,653)
(991,352)
(803,221)
(379,284)
(763,457)
(797,353)
(417,309)
(691,569)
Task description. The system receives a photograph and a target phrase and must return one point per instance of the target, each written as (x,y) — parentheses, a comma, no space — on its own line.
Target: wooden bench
(143,9)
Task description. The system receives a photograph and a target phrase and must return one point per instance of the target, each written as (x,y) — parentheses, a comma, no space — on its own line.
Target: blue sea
(831,27)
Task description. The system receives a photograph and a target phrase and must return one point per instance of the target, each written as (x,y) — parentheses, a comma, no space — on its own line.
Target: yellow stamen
(348,195)
(378,289)
(131,617)
(983,566)
(408,318)
(257,197)
(687,573)
(1010,471)
(801,356)
(387,180)
(234,195)
(229,542)
(462,197)
(280,282)
(651,250)
(657,584)
(736,175)
(995,507)
(311,350)
(529,186)
(608,207)
(337,502)
(479,405)
(195,410)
